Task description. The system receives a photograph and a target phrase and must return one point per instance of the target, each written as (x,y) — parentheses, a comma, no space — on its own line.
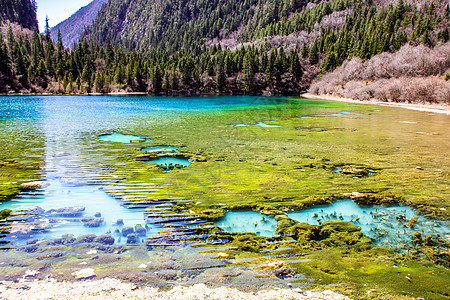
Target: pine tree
(264,62)
(314,53)
(305,51)
(47,30)
(99,82)
(220,77)
(173,78)
(41,71)
(157,79)
(119,75)
(443,35)
(5,67)
(248,71)
(271,64)
(295,67)
(426,40)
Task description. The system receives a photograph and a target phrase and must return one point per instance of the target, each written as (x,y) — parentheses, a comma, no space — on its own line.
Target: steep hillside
(72,27)
(140,24)
(22,12)
(173,24)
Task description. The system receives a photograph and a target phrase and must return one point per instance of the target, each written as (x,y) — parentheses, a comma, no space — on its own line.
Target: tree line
(34,63)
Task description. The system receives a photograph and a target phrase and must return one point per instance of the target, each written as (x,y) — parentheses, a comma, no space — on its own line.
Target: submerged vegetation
(273,170)
(272,159)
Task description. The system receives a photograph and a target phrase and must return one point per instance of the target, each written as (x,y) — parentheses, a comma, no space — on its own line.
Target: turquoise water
(64,132)
(386,225)
(59,195)
(167,161)
(119,138)
(248,221)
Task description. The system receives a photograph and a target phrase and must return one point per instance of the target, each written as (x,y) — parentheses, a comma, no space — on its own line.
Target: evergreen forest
(200,46)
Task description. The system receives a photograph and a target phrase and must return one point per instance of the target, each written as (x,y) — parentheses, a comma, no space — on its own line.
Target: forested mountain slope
(22,12)
(140,24)
(173,24)
(71,28)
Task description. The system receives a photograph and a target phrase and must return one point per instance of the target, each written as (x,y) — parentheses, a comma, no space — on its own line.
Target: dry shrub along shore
(412,75)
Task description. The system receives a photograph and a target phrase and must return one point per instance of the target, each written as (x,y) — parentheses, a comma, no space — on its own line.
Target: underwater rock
(277,269)
(72,211)
(88,238)
(34,185)
(132,238)
(119,222)
(98,215)
(61,154)
(146,157)
(127,230)
(32,242)
(140,230)
(23,216)
(84,274)
(105,239)
(21,231)
(92,221)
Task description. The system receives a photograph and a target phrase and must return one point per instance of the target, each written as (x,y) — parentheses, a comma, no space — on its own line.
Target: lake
(237,152)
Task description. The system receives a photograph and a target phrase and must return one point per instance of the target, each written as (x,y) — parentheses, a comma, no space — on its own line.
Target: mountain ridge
(72,27)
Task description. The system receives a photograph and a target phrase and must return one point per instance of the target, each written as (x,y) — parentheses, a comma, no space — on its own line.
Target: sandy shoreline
(433,108)
(109,288)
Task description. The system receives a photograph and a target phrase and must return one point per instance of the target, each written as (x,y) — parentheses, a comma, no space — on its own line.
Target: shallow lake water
(387,225)
(67,135)
(172,161)
(119,138)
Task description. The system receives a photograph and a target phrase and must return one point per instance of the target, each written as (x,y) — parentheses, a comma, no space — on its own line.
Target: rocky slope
(72,27)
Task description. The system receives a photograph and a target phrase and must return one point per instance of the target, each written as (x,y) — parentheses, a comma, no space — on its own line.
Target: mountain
(174,24)
(170,24)
(22,12)
(72,27)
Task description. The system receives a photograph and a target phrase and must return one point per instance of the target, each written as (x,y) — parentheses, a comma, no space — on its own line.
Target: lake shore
(110,288)
(432,108)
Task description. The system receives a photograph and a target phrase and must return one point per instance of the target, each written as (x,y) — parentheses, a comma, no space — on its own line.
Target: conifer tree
(157,79)
(4,58)
(220,77)
(295,67)
(248,71)
(314,53)
(47,30)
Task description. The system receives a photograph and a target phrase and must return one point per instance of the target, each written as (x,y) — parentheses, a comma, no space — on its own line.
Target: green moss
(209,214)
(376,199)
(5,213)
(355,170)
(268,210)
